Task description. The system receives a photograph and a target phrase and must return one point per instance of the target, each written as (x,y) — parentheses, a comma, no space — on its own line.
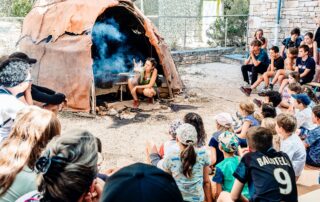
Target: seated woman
(146,84)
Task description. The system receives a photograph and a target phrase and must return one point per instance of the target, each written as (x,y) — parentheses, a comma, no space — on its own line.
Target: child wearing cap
(303,113)
(223,123)
(290,143)
(170,146)
(189,166)
(312,141)
(269,173)
(223,179)
(13,76)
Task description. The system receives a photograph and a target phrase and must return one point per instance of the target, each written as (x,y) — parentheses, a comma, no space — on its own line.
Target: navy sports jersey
(270,176)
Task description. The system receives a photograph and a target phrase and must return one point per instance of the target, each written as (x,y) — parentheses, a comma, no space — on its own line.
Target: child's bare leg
(279,72)
(257,83)
(284,104)
(280,79)
(266,77)
(283,84)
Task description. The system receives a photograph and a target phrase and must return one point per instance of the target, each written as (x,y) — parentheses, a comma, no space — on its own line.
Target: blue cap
(303,98)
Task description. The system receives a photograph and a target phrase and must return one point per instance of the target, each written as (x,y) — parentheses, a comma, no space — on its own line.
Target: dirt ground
(210,89)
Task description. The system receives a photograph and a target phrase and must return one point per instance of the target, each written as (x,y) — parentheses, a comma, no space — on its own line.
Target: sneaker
(135,104)
(246,91)
(257,102)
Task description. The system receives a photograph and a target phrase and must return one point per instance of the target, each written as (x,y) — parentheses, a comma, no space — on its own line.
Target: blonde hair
(33,129)
(269,123)
(247,107)
(227,127)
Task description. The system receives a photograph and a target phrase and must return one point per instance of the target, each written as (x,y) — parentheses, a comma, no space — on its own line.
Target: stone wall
(294,13)
(199,56)
(10,29)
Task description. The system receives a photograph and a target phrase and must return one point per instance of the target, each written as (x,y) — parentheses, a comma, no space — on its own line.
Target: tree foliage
(21,8)
(236,26)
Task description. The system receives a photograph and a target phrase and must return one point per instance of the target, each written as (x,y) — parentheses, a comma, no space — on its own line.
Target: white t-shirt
(296,151)
(304,119)
(170,147)
(9,106)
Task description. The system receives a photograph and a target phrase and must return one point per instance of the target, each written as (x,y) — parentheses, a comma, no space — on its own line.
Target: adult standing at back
(312,44)
(256,62)
(258,35)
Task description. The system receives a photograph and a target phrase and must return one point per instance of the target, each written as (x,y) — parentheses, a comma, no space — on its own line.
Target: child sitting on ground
(314,100)
(246,110)
(303,113)
(270,123)
(189,166)
(268,111)
(271,97)
(167,148)
(291,89)
(196,120)
(289,65)
(223,123)
(223,179)
(312,142)
(268,173)
(290,143)
(276,64)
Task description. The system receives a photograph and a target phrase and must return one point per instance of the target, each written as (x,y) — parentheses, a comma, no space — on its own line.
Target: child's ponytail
(188,158)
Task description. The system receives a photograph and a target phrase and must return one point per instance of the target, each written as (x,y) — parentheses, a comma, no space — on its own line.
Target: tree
(236,27)
(21,8)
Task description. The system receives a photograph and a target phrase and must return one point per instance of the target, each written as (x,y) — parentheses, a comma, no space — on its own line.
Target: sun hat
(224,119)
(187,134)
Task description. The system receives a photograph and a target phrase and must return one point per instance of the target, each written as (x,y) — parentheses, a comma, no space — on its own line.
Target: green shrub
(21,8)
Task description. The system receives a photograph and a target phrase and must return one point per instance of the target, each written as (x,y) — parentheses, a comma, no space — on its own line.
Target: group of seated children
(296,55)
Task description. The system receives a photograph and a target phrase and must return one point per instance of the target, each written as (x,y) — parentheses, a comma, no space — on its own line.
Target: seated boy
(269,173)
(289,66)
(257,62)
(290,143)
(312,142)
(223,179)
(303,113)
(276,64)
(272,97)
(293,41)
(305,65)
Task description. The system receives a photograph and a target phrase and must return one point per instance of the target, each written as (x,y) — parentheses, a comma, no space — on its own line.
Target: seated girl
(146,84)
(249,120)
(293,87)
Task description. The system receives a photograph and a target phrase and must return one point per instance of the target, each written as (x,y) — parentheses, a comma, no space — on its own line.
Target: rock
(112,112)
(102,108)
(193,100)
(102,113)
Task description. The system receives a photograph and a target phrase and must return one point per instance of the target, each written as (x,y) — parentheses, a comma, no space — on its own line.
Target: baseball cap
(229,141)
(224,119)
(23,56)
(13,71)
(303,98)
(141,183)
(187,134)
